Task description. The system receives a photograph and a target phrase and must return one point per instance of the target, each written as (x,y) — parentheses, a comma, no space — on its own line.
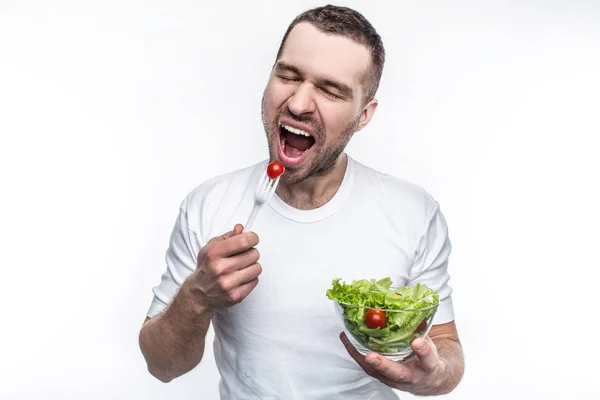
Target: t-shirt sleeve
(180,259)
(431,263)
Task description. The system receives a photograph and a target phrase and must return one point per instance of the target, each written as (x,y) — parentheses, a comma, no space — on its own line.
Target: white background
(112,111)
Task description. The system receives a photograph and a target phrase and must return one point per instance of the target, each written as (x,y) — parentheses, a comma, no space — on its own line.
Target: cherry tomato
(422,326)
(275,169)
(375,319)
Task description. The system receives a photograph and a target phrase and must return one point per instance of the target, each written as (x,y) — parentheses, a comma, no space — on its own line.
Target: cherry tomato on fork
(375,319)
(275,169)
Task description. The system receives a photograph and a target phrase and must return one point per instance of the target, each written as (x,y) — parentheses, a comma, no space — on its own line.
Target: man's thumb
(237,229)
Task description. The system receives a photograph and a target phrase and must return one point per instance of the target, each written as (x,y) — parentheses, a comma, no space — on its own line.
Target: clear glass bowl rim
(389,309)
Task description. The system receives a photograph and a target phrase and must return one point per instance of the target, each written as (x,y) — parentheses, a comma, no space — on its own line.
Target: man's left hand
(421,373)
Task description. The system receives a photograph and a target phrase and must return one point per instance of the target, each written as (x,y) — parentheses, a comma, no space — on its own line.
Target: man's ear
(366,114)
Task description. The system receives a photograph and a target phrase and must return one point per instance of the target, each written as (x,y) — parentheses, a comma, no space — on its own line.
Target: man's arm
(173,342)
(436,368)
(450,352)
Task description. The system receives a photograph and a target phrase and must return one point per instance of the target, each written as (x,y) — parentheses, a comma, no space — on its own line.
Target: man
(276,334)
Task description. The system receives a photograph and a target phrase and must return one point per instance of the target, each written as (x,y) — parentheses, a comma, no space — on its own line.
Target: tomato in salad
(375,319)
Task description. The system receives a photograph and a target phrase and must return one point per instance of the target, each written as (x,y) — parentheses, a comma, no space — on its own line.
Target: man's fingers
(237,229)
(243,260)
(240,293)
(368,363)
(235,244)
(373,365)
(401,376)
(396,372)
(426,354)
(359,358)
(245,275)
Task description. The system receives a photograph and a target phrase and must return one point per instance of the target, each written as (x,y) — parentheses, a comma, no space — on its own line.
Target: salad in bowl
(379,317)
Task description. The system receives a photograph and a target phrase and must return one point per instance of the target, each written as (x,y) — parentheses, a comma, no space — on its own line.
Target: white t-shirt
(282,341)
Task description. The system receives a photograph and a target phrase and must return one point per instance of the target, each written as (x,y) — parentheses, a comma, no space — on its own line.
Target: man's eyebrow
(282,66)
(342,89)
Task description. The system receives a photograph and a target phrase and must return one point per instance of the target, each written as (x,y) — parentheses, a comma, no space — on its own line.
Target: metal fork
(264,191)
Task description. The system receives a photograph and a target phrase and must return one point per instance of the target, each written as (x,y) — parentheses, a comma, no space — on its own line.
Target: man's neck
(315,191)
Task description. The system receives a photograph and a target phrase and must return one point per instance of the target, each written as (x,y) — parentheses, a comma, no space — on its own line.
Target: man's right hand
(227,269)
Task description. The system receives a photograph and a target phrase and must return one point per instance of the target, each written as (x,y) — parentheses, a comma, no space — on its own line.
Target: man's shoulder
(396,191)
(231,184)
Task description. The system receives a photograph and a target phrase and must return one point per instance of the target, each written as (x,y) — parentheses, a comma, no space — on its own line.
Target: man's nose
(302,101)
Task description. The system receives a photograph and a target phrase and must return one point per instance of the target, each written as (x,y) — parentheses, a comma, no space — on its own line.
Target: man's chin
(293,175)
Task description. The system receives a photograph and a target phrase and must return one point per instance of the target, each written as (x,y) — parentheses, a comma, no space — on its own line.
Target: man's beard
(325,158)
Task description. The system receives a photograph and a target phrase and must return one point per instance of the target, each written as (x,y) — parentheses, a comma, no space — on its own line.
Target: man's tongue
(295,145)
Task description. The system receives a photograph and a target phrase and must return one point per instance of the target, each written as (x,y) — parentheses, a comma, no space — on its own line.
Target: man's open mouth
(294,141)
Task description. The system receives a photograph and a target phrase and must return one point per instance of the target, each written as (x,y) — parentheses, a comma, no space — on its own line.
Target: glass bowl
(390,336)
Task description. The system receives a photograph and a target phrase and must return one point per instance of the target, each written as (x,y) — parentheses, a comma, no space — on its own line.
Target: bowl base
(399,356)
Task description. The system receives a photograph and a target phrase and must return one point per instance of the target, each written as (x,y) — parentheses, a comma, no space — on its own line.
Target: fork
(264,191)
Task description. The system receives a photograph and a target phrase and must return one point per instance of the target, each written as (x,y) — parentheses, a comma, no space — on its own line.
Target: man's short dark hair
(344,21)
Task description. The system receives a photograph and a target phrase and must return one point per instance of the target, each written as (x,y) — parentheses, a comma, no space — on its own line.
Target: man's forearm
(173,342)
(451,355)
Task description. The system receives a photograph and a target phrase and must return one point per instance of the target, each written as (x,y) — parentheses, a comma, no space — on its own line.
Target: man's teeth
(296,131)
